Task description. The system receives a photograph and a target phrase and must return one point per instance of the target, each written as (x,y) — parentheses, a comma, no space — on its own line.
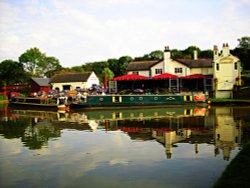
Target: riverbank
(237,172)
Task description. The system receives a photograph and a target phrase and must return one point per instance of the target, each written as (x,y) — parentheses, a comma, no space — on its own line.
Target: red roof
(130,77)
(164,76)
(194,76)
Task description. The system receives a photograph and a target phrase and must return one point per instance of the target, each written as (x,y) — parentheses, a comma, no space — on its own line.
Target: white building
(222,72)
(226,72)
(72,81)
(179,67)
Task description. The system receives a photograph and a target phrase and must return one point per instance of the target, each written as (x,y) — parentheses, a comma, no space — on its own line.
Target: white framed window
(135,72)
(158,71)
(178,70)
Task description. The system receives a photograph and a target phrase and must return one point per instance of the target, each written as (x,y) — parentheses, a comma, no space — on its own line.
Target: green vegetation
(34,63)
(37,64)
(237,172)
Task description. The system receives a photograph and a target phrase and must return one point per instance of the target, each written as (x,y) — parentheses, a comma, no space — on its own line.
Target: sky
(81,31)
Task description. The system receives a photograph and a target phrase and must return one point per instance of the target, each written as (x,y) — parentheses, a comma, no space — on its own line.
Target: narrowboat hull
(137,101)
(38,103)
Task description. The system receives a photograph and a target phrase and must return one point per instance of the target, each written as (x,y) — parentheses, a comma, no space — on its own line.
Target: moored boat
(59,103)
(105,101)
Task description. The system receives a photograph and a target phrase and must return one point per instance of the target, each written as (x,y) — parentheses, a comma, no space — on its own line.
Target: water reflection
(161,147)
(168,126)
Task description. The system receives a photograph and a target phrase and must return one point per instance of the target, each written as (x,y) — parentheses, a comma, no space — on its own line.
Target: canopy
(164,76)
(194,76)
(130,77)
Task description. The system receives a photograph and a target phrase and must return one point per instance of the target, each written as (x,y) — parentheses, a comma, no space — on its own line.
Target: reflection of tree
(34,136)
(14,128)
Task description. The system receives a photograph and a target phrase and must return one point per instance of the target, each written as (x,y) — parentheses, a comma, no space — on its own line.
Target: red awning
(194,76)
(130,77)
(164,76)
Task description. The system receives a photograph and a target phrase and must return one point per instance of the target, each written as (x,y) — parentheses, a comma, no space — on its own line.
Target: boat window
(188,98)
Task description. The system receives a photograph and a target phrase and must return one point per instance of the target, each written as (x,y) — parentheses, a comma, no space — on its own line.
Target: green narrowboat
(104,101)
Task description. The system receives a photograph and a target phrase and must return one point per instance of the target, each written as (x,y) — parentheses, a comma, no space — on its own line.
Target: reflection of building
(227,132)
(170,137)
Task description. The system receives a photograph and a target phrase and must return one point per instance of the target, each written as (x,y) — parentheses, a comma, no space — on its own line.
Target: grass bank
(237,173)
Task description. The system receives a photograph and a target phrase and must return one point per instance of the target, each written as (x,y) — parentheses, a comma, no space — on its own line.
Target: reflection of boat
(58,104)
(104,101)
(155,113)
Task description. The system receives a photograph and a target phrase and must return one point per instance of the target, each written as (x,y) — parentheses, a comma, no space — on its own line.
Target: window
(178,70)
(66,87)
(217,67)
(235,66)
(158,71)
(135,72)
(150,74)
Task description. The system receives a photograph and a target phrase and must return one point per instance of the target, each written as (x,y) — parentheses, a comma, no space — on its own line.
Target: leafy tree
(77,69)
(189,52)
(12,72)
(156,55)
(243,52)
(51,66)
(176,54)
(96,67)
(123,64)
(38,64)
(119,67)
(33,61)
(244,42)
(206,54)
(109,74)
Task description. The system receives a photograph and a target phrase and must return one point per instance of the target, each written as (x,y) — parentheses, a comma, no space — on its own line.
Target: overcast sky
(80,31)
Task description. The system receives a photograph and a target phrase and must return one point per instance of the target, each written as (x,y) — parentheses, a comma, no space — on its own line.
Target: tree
(206,54)
(96,67)
(77,69)
(156,55)
(243,52)
(33,61)
(109,74)
(244,42)
(176,54)
(38,64)
(51,66)
(12,72)
(189,52)
(119,66)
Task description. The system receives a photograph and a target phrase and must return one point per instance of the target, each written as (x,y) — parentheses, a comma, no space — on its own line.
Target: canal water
(159,147)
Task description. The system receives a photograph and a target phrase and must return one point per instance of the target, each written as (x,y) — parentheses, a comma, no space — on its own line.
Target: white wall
(93,79)
(157,66)
(142,73)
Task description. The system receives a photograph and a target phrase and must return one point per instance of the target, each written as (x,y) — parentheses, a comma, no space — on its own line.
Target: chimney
(195,53)
(166,59)
(216,53)
(225,50)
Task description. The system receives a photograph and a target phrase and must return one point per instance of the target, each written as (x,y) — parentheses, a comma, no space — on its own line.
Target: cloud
(86,31)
